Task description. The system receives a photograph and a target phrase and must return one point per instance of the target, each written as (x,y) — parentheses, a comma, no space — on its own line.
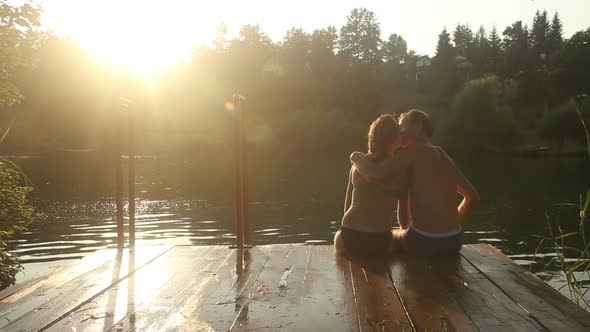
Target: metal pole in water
(131,174)
(239,172)
(244,183)
(242,237)
(119,183)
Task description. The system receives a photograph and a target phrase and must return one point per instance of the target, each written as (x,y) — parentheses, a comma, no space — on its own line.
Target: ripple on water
(491,240)
(267,230)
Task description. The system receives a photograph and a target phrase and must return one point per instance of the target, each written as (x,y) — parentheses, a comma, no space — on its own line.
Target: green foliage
(555,35)
(360,37)
(395,49)
(476,123)
(18,36)
(463,38)
(540,32)
(563,123)
(15,213)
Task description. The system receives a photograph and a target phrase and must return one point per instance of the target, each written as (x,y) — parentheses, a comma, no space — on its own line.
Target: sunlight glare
(139,36)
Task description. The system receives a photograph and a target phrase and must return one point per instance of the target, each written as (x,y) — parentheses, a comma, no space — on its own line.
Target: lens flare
(230,106)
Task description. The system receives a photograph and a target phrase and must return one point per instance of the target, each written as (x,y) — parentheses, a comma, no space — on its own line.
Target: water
(189,200)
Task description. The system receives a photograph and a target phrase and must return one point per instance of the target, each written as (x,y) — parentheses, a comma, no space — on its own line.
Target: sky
(147,33)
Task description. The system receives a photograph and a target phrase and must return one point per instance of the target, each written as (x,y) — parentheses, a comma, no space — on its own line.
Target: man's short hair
(417,117)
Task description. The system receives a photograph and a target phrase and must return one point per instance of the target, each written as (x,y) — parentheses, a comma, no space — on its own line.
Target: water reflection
(182,200)
(243,262)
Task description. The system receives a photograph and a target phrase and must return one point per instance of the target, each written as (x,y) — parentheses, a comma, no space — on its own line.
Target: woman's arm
(348,198)
(404,217)
(377,171)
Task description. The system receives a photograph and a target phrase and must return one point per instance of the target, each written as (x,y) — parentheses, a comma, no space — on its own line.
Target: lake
(189,200)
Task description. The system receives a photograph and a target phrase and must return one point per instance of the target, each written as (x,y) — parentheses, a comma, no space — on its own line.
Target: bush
(14,214)
(476,123)
(564,123)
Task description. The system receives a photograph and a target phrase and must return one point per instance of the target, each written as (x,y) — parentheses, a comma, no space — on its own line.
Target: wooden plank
(167,309)
(429,304)
(485,304)
(58,276)
(299,288)
(51,301)
(272,300)
(220,303)
(377,302)
(545,304)
(349,308)
(148,292)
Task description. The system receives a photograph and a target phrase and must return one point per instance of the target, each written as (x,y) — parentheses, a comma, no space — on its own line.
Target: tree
(395,49)
(479,52)
(516,46)
(575,61)
(555,36)
(495,43)
(445,76)
(324,41)
(249,55)
(476,123)
(563,124)
(221,43)
(360,37)
(18,37)
(296,45)
(463,39)
(540,32)
(444,48)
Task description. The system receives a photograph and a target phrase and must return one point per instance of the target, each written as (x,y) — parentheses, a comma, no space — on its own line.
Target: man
(435,219)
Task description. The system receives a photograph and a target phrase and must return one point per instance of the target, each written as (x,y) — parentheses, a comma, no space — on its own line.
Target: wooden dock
(286,287)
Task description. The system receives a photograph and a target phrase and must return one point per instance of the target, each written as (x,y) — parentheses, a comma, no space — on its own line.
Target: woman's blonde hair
(383,132)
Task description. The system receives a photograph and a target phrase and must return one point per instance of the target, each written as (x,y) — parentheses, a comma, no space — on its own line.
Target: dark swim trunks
(359,243)
(421,244)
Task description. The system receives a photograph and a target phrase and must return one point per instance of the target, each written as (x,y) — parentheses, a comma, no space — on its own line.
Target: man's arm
(404,217)
(375,172)
(465,188)
(470,196)
(348,198)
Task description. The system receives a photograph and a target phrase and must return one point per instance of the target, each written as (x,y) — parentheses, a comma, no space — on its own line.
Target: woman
(369,207)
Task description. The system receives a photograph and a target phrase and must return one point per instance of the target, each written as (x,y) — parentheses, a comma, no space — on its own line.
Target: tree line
(351,73)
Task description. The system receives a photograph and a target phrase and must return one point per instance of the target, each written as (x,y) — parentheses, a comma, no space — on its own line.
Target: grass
(579,265)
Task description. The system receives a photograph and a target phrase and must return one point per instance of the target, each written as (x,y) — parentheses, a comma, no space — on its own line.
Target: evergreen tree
(463,39)
(444,48)
(495,43)
(445,77)
(555,37)
(516,46)
(540,32)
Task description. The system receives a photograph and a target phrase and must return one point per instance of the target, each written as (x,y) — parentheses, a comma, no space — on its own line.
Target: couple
(403,167)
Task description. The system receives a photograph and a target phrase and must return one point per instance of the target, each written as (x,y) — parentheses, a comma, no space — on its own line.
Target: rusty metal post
(119,182)
(239,173)
(242,227)
(131,173)
(244,184)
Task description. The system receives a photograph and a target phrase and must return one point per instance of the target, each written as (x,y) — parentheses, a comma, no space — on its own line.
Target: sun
(143,37)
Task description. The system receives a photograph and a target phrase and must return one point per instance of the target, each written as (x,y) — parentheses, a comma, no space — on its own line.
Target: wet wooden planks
(287,287)
(548,307)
